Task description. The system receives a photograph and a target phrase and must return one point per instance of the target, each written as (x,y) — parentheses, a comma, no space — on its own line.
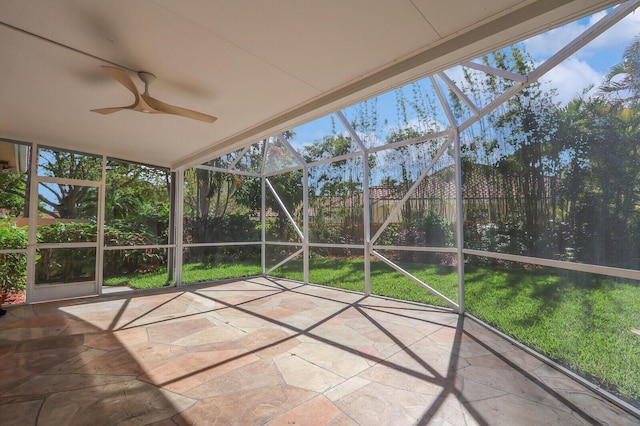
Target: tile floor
(272,352)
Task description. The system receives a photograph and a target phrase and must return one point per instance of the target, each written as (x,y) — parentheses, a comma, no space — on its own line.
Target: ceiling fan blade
(123,78)
(172,109)
(108,110)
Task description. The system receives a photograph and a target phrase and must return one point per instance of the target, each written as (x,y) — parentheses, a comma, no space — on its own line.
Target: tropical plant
(622,82)
(13,265)
(12,193)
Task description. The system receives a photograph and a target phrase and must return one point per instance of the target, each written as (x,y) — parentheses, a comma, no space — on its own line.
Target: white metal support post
(263,224)
(100,219)
(263,209)
(366,216)
(305,224)
(460,223)
(33,223)
(305,207)
(171,240)
(179,225)
(455,134)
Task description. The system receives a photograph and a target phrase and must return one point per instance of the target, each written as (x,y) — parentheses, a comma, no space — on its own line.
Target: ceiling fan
(144,102)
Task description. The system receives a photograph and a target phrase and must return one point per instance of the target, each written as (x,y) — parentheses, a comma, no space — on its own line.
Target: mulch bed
(14,298)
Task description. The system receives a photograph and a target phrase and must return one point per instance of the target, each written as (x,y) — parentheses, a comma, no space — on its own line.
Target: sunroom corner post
(171,238)
(366,212)
(459,223)
(179,225)
(305,223)
(366,219)
(455,135)
(263,223)
(33,224)
(102,207)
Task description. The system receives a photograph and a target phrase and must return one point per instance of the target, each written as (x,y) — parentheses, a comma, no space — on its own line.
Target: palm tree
(623,80)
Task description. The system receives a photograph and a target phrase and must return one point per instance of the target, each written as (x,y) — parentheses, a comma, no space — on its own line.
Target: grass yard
(348,274)
(582,321)
(191,273)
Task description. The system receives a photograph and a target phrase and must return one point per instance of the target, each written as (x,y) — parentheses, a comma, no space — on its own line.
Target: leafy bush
(324,231)
(230,228)
(12,189)
(11,236)
(68,232)
(497,238)
(130,261)
(389,236)
(437,231)
(69,264)
(429,230)
(123,236)
(66,265)
(13,278)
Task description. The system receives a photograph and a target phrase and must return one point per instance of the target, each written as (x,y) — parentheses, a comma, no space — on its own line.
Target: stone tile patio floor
(264,351)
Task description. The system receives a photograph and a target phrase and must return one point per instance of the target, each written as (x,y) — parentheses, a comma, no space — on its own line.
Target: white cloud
(587,66)
(546,44)
(571,77)
(618,36)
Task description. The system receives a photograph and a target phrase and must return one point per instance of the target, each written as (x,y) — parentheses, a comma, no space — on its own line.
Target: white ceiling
(259,66)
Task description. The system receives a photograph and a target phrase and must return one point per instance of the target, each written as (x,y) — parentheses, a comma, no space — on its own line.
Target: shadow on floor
(264,351)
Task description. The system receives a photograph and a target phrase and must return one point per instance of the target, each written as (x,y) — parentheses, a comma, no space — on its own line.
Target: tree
(622,82)
(12,193)
(68,201)
(418,116)
(602,189)
(214,191)
(137,199)
(210,197)
(600,151)
(210,193)
(518,141)
(410,161)
(335,190)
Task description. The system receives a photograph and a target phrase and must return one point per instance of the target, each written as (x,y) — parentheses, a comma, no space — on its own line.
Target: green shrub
(437,231)
(68,232)
(230,228)
(13,278)
(118,262)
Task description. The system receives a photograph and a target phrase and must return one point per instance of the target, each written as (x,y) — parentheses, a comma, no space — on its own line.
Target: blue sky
(591,63)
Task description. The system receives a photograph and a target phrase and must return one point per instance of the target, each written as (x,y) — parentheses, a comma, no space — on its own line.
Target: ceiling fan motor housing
(146,77)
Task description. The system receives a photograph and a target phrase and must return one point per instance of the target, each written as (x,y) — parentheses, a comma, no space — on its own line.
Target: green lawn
(583,321)
(191,273)
(348,274)
(580,320)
